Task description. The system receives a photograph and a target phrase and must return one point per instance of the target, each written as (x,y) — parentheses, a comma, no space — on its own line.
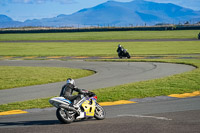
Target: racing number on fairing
(89,107)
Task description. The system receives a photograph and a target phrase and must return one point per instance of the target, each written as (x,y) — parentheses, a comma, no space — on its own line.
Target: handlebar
(87,93)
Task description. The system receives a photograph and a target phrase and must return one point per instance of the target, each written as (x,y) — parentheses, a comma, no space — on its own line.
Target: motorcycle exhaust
(68,108)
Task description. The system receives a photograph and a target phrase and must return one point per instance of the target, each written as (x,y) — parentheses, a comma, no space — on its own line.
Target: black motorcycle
(124,53)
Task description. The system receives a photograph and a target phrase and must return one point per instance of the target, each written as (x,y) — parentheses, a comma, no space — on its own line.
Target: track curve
(108,74)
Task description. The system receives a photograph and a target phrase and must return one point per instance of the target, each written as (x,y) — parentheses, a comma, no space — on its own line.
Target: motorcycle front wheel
(99,112)
(64,116)
(128,55)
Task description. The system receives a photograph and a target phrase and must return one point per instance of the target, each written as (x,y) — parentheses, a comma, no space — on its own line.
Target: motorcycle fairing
(89,107)
(56,101)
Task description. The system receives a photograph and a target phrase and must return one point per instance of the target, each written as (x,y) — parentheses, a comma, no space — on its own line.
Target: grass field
(111,35)
(12,77)
(98,48)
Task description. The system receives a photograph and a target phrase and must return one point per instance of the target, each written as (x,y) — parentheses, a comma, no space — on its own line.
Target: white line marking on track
(143,116)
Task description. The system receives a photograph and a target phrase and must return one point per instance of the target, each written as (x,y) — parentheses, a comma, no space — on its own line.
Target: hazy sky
(22,10)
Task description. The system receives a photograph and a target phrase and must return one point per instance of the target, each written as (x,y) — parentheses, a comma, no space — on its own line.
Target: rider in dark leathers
(122,52)
(68,89)
(120,49)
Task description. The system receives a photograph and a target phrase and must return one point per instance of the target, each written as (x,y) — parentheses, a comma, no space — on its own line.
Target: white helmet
(70,81)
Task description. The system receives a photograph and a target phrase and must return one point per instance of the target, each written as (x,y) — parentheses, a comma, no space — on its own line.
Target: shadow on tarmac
(30,123)
(38,123)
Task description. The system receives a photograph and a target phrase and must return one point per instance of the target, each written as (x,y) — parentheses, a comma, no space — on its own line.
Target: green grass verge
(30,104)
(179,83)
(112,35)
(12,76)
(98,48)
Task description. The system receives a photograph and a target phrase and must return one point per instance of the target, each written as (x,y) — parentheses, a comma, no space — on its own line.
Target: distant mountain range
(112,13)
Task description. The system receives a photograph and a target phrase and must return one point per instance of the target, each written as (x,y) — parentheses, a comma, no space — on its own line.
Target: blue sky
(21,10)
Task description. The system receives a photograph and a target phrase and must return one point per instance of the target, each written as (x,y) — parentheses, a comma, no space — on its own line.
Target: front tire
(99,112)
(64,116)
(128,55)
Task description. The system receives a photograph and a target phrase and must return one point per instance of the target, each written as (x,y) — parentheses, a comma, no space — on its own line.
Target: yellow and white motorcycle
(87,107)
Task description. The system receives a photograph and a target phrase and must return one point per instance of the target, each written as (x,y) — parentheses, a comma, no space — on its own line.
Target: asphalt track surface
(163,116)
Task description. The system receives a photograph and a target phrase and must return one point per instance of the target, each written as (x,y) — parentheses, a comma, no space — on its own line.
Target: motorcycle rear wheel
(99,112)
(64,116)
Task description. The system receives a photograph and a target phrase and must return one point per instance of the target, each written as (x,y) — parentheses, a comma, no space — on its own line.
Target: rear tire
(99,112)
(64,116)
(119,56)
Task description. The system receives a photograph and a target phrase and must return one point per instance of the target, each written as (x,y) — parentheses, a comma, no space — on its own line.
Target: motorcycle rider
(120,49)
(68,89)
(122,52)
